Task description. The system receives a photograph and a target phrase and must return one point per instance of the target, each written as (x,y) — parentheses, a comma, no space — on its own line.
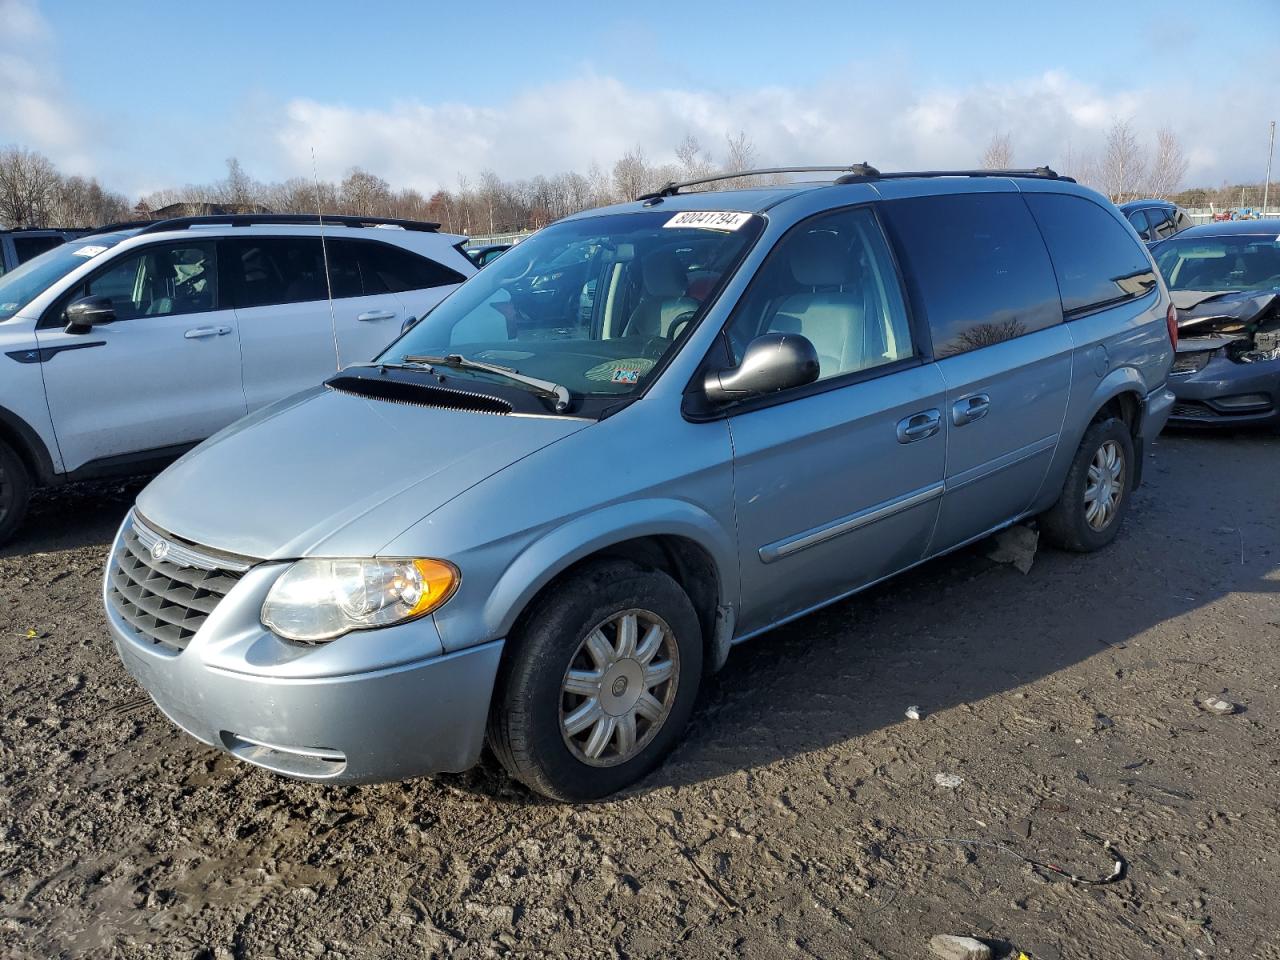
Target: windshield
(595,305)
(1249,262)
(23,284)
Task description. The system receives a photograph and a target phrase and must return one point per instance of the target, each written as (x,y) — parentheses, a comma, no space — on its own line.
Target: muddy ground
(788,823)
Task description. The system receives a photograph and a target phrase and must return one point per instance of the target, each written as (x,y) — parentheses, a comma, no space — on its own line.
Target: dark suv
(1155,220)
(19,246)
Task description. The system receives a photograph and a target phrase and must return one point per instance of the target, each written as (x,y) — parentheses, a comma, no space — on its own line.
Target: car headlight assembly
(321,599)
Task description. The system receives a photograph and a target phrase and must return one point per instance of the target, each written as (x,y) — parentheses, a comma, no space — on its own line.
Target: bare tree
(1168,167)
(364,194)
(741,154)
(28,182)
(631,173)
(1123,170)
(694,163)
(999,152)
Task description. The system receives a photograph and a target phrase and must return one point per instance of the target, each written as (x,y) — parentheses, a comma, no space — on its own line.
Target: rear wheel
(1095,495)
(15,491)
(599,683)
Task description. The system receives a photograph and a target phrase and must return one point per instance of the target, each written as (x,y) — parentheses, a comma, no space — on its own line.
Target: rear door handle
(200,333)
(919,426)
(970,409)
(376,315)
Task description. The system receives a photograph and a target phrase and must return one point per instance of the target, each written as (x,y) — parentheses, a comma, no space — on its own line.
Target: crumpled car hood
(332,474)
(1201,311)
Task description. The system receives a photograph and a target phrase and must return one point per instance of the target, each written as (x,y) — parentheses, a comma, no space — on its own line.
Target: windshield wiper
(561,394)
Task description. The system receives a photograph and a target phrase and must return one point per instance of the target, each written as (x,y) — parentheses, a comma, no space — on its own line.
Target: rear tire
(1095,495)
(15,492)
(581,709)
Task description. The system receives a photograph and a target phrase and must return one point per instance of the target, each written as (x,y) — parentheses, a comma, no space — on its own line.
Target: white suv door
(165,373)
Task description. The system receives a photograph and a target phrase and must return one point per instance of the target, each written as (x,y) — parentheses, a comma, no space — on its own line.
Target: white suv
(123,348)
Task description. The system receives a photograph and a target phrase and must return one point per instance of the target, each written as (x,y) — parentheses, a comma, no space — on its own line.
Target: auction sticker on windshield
(90,251)
(709,219)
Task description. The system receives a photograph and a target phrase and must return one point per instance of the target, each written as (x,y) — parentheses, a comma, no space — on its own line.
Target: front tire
(598,683)
(15,492)
(1095,495)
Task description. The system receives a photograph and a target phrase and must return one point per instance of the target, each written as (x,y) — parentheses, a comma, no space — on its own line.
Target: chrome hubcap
(619,688)
(1105,485)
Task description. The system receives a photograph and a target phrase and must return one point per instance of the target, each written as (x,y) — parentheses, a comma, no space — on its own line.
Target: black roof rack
(274,219)
(672,188)
(1041,173)
(852,173)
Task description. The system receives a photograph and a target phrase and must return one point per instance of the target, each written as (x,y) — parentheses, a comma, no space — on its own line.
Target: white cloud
(34,110)
(882,116)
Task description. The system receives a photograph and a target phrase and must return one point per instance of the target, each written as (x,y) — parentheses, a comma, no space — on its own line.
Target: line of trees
(33,193)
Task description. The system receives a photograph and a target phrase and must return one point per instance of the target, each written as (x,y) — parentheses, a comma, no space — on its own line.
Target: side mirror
(87,312)
(775,361)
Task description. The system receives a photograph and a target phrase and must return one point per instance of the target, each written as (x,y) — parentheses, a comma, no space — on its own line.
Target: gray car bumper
(1216,395)
(367,707)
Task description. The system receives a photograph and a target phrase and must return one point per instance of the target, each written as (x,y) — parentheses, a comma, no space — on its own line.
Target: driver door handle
(200,333)
(919,426)
(970,409)
(376,315)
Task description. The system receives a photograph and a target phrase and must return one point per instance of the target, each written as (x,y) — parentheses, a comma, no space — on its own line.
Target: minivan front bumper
(388,722)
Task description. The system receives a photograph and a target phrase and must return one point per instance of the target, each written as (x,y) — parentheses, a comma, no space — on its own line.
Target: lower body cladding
(1214,390)
(307,712)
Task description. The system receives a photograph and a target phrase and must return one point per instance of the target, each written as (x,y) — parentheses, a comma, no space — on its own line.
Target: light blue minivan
(645,434)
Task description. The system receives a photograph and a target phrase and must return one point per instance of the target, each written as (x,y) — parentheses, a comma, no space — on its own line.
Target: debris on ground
(913,713)
(1218,706)
(948,780)
(1015,545)
(1118,870)
(950,947)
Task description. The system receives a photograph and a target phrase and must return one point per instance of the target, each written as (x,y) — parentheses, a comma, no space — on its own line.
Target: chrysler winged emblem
(159,549)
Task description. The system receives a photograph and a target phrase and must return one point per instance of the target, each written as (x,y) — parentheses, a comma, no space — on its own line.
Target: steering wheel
(679,323)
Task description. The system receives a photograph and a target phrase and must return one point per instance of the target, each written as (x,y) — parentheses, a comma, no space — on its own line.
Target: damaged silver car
(1225,282)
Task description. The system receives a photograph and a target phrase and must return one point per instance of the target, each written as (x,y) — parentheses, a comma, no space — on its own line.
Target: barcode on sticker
(709,219)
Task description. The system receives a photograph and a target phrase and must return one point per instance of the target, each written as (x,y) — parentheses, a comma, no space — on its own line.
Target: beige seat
(663,280)
(834,314)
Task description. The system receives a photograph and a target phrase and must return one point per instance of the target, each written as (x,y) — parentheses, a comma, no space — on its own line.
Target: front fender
(543,559)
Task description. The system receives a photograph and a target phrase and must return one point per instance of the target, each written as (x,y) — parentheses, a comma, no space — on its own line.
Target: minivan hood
(293,479)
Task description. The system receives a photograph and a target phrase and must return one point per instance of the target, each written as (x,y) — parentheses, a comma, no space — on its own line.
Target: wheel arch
(26,443)
(673,536)
(1121,394)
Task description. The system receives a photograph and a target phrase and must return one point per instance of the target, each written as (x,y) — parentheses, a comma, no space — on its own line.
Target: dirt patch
(793,820)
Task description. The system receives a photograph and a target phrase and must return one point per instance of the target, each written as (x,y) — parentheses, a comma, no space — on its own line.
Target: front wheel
(1095,495)
(15,491)
(599,682)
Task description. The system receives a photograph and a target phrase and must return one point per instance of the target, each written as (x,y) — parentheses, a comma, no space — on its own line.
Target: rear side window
(388,269)
(1139,220)
(977,268)
(28,247)
(1098,263)
(263,271)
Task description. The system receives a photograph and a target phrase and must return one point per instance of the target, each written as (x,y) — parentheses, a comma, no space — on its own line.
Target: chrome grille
(165,589)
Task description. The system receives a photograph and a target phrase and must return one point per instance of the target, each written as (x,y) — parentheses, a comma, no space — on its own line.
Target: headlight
(322,599)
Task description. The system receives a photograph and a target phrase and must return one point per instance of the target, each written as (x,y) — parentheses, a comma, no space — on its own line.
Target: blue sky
(149,94)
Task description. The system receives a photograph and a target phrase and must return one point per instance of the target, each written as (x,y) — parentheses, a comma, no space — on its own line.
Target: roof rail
(1041,173)
(672,188)
(118,225)
(273,219)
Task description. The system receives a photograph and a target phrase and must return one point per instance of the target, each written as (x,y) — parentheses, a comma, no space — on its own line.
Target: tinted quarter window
(1096,260)
(831,280)
(389,269)
(28,247)
(261,271)
(976,267)
(1162,224)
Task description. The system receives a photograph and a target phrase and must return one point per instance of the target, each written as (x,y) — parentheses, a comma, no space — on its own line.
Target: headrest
(821,259)
(663,274)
